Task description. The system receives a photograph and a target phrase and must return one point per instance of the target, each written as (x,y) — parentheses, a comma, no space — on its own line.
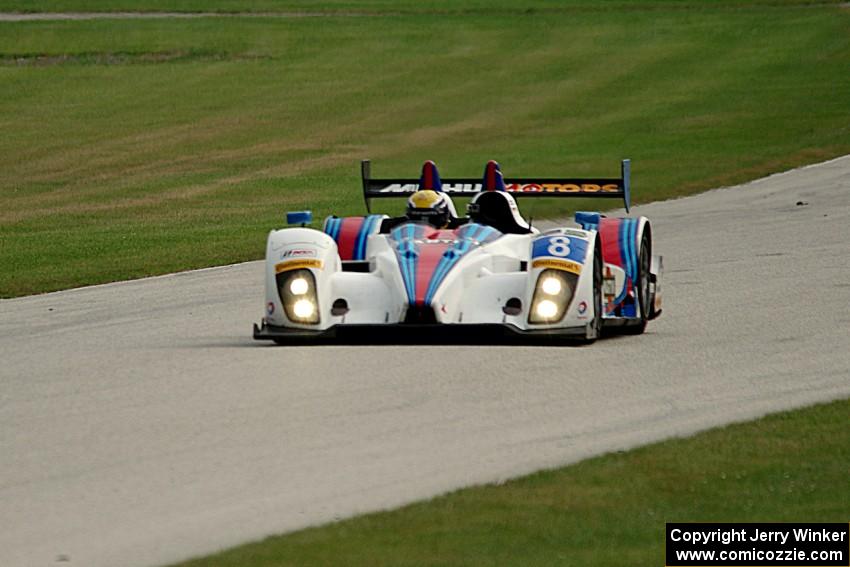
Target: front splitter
(416,333)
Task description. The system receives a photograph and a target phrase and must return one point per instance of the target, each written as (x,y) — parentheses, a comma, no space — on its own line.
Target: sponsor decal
(447,188)
(582,308)
(463,187)
(296,265)
(556,264)
(560,246)
(298,253)
(562,188)
(510,187)
(399,188)
(270,308)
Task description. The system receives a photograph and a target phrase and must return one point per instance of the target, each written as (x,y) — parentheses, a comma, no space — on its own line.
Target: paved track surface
(139,423)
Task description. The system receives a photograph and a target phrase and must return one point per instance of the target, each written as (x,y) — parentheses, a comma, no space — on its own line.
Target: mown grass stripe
(265,114)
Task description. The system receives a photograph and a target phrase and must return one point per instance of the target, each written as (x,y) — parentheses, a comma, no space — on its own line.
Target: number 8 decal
(559,246)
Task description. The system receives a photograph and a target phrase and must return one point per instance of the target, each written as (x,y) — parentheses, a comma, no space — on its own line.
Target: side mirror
(302,218)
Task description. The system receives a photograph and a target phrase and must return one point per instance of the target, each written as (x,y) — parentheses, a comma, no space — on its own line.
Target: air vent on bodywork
(339,308)
(420,314)
(513,306)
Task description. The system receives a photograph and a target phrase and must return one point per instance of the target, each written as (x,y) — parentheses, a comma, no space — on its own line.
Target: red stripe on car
(430,255)
(609,231)
(347,239)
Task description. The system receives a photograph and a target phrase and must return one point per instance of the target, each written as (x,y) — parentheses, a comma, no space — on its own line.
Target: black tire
(644,258)
(596,325)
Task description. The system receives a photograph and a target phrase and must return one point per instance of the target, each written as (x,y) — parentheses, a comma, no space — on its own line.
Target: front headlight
(552,296)
(297,290)
(299,286)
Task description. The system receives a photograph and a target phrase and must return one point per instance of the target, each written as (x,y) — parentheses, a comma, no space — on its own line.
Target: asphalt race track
(140,424)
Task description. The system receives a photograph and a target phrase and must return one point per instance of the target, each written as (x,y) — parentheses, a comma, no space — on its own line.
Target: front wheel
(594,328)
(642,285)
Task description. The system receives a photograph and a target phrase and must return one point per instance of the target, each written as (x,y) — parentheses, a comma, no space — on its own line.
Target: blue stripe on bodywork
(337,228)
(358,252)
(449,259)
(407,252)
(624,246)
(624,236)
(473,234)
(628,236)
(407,255)
(332,228)
(363,235)
(633,252)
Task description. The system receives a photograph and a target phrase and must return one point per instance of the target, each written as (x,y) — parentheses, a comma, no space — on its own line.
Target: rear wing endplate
(602,187)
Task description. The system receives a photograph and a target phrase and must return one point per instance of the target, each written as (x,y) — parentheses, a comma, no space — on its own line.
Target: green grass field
(133,148)
(383,6)
(611,510)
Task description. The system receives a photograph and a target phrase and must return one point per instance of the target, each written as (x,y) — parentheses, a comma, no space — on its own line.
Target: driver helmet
(429,206)
(497,209)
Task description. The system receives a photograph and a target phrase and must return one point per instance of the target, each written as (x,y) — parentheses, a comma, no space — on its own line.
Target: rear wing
(601,187)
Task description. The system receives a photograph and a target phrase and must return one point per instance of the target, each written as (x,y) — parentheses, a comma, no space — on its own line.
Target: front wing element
(477,333)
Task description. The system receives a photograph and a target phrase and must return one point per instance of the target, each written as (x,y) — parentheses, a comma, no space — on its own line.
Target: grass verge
(134,148)
(609,510)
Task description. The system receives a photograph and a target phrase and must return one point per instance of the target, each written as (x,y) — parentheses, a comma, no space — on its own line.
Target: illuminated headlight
(298,286)
(546,309)
(550,285)
(297,290)
(303,308)
(552,296)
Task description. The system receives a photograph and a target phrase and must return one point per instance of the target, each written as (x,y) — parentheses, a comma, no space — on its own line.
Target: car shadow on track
(436,337)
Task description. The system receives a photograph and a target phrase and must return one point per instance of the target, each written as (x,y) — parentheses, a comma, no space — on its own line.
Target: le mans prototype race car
(488,272)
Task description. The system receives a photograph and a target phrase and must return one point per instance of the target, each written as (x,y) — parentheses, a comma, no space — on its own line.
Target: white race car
(485,274)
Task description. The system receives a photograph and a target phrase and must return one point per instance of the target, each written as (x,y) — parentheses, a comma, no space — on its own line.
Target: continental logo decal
(556,264)
(297,265)
(562,188)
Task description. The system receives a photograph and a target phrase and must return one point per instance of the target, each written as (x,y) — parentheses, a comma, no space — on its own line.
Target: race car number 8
(559,246)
